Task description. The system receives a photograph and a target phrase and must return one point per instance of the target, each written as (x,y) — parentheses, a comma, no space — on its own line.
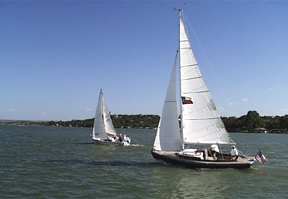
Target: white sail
(201,122)
(98,127)
(168,133)
(109,128)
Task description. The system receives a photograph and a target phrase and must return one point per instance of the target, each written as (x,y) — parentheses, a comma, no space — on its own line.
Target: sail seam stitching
(211,118)
(204,91)
(192,78)
(189,65)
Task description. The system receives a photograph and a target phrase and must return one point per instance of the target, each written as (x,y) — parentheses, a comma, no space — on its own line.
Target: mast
(180,13)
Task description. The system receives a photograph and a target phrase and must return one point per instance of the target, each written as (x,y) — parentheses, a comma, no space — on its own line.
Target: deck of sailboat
(173,157)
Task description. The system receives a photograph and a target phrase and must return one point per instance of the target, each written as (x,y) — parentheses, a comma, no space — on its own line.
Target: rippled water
(44,162)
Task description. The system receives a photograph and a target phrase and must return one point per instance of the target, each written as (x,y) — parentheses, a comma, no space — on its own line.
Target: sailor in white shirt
(234,153)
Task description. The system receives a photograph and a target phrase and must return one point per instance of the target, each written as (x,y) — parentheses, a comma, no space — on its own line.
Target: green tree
(253,120)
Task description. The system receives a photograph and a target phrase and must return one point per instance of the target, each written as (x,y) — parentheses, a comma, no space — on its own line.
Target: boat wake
(131,145)
(135,145)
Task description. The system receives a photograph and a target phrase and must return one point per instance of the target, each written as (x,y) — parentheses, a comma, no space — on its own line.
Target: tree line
(251,122)
(119,121)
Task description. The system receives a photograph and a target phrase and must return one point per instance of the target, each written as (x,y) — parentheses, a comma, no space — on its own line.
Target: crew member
(234,153)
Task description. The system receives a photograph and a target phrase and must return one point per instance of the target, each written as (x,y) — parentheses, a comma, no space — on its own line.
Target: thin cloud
(237,102)
(284,110)
(11,110)
(244,99)
(88,109)
(43,114)
(269,89)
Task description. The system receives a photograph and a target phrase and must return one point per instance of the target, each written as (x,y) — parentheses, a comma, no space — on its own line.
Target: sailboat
(196,137)
(103,130)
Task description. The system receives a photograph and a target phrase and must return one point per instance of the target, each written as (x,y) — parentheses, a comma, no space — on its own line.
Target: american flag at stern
(186,100)
(260,157)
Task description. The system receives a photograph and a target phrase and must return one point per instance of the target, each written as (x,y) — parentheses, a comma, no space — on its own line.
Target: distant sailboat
(200,137)
(103,129)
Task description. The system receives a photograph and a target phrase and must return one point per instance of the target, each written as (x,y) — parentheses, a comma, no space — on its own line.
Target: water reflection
(116,163)
(202,183)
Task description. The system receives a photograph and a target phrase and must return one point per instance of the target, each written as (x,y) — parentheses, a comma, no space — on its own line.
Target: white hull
(107,142)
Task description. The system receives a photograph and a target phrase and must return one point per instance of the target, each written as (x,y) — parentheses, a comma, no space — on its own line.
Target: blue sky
(55,55)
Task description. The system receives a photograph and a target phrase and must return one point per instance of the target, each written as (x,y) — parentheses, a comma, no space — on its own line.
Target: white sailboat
(103,129)
(200,138)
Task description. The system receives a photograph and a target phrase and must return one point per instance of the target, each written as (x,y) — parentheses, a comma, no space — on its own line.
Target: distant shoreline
(278,131)
(252,122)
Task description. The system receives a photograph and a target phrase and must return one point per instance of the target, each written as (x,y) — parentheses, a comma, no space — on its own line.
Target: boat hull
(174,158)
(106,142)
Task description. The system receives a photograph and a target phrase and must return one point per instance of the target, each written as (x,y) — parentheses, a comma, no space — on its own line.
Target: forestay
(168,133)
(200,119)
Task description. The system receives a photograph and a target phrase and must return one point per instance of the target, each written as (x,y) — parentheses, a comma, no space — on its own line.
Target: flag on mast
(186,100)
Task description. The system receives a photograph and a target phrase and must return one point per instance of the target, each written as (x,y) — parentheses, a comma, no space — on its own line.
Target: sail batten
(191,66)
(191,78)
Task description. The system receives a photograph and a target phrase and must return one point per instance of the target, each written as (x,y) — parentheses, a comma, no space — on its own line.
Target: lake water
(46,162)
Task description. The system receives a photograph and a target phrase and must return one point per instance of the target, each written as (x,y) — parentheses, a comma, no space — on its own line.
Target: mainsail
(109,128)
(168,133)
(102,122)
(201,122)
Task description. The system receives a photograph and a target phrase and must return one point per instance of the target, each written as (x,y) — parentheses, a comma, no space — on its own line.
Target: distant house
(260,130)
(278,131)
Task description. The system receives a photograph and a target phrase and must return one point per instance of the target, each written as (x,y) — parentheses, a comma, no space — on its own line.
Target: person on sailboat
(234,153)
(120,137)
(214,149)
(111,139)
(126,139)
